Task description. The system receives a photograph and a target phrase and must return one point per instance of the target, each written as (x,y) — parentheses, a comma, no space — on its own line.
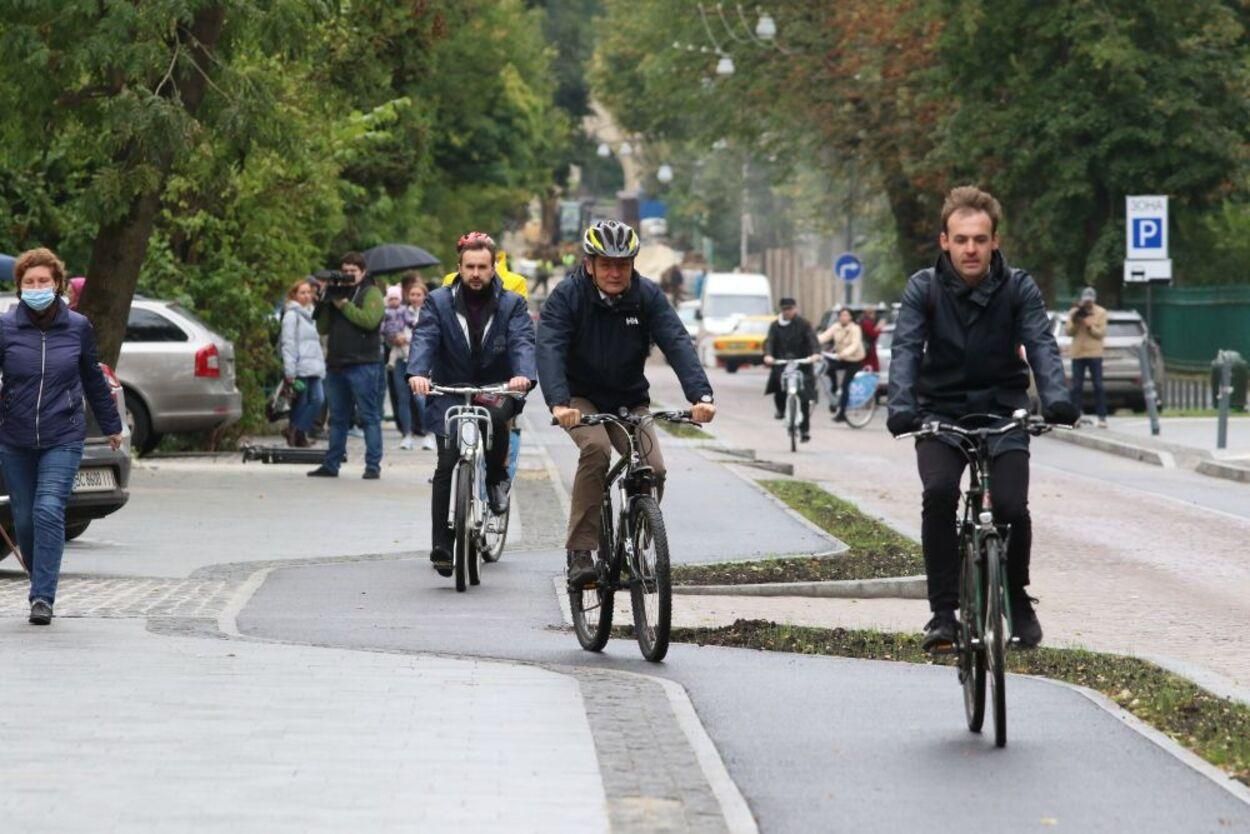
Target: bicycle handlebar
(934,428)
(633,419)
(471,390)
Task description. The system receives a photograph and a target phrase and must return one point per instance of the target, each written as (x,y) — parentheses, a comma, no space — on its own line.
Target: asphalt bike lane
(814,744)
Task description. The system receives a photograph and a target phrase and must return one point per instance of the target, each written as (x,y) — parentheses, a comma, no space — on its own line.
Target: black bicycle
(984,598)
(633,548)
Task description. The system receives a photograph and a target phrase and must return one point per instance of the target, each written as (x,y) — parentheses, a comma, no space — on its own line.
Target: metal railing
(1192,392)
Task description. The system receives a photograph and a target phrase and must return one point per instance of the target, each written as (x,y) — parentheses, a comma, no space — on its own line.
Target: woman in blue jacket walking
(48,359)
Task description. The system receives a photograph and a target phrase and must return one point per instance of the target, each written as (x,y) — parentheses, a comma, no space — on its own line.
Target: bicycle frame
(474,432)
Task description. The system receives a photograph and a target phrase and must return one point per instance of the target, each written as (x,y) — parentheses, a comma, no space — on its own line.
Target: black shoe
(497,496)
(440,558)
(582,573)
(1024,625)
(840,417)
(777,415)
(805,438)
(40,612)
(941,631)
(322,472)
(372,474)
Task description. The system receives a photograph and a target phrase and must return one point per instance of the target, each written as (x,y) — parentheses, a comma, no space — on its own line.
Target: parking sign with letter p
(1147,228)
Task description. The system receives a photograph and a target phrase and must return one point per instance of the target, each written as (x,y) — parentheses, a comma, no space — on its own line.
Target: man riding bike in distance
(593,340)
(956,353)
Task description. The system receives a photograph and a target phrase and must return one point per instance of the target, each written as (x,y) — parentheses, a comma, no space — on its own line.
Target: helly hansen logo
(631,320)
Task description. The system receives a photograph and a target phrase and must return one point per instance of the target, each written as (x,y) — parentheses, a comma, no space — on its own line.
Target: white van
(727,297)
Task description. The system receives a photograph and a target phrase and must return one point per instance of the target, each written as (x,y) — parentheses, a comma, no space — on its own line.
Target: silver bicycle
(475,529)
(793,383)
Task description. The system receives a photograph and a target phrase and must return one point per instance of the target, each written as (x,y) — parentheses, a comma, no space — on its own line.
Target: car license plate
(95,480)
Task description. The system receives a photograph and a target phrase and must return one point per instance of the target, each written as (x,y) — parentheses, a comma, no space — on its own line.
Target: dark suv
(101,485)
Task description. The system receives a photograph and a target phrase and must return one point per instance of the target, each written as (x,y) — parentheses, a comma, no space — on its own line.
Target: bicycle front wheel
(792,421)
(971,647)
(861,415)
(463,529)
(592,608)
(651,589)
(995,632)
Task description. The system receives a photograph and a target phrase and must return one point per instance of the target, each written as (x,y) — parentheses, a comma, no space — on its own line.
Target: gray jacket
(301,344)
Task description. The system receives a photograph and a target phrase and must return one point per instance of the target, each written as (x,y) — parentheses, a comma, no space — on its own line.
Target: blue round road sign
(848,267)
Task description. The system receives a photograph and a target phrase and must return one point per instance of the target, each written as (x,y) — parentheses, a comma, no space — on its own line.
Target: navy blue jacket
(590,348)
(45,376)
(440,346)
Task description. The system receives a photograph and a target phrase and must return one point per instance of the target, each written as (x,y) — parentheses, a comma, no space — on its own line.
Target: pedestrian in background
(48,360)
(350,312)
(303,362)
(1087,325)
(417,293)
(870,329)
(846,342)
(397,325)
(75,291)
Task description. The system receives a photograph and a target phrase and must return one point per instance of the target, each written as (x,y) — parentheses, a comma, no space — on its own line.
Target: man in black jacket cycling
(956,352)
(594,337)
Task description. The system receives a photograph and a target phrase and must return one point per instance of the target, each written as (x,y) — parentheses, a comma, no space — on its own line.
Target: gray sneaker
(40,612)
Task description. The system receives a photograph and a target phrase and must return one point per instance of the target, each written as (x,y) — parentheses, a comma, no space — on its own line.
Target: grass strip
(875,550)
(684,430)
(1217,729)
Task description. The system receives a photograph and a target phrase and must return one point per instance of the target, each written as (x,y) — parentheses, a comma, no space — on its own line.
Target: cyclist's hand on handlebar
(901,422)
(768,360)
(815,357)
(565,416)
(519,384)
(702,412)
(1062,412)
(420,385)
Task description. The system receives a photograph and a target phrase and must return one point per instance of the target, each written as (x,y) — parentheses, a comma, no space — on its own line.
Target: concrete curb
(839,546)
(1229,471)
(1116,447)
(899,587)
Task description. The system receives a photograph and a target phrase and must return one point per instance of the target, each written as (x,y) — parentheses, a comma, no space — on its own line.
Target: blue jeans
(39,483)
(1078,383)
(407,404)
(304,409)
(351,389)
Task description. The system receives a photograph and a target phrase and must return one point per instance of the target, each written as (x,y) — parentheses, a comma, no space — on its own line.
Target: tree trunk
(916,227)
(121,245)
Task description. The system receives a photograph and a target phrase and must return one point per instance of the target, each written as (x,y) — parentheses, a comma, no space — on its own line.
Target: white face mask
(783,321)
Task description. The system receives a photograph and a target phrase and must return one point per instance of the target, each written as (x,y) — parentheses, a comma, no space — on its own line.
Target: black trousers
(449,455)
(805,407)
(941,467)
(848,370)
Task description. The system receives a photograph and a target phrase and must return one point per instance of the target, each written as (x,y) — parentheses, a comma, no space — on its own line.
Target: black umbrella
(6,267)
(396,257)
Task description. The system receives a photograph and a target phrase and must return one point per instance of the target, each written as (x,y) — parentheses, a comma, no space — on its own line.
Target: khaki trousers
(596,444)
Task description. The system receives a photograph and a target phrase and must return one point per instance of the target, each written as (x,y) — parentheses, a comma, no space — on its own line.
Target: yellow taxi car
(744,345)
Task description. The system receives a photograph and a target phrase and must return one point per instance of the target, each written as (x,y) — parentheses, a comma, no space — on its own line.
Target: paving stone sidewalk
(139,732)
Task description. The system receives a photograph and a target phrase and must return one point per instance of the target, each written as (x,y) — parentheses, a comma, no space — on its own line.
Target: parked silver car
(1121,363)
(178,375)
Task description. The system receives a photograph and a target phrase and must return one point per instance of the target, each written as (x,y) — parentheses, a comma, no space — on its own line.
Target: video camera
(333,284)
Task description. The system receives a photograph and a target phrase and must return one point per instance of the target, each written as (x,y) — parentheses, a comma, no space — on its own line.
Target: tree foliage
(213,151)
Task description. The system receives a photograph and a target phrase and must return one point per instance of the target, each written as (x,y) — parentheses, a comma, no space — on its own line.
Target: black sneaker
(440,558)
(805,438)
(941,631)
(1024,625)
(40,612)
(777,415)
(322,472)
(497,496)
(582,574)
(372,474)
(840,417)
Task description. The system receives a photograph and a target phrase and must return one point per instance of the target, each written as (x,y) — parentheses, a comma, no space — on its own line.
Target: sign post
(849,268)
(1146,262)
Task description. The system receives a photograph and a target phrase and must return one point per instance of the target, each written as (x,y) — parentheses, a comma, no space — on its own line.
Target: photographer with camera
(1087,325)
(349,312)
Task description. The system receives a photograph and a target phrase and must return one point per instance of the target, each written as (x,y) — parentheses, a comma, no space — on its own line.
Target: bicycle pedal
(943,649)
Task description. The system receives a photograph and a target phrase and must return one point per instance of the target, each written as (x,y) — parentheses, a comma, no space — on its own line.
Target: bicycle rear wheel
(651,589)
(996,637)
(463,530)
(494,534)
(971,658)
(859,416)
(592,609)
(862,403)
